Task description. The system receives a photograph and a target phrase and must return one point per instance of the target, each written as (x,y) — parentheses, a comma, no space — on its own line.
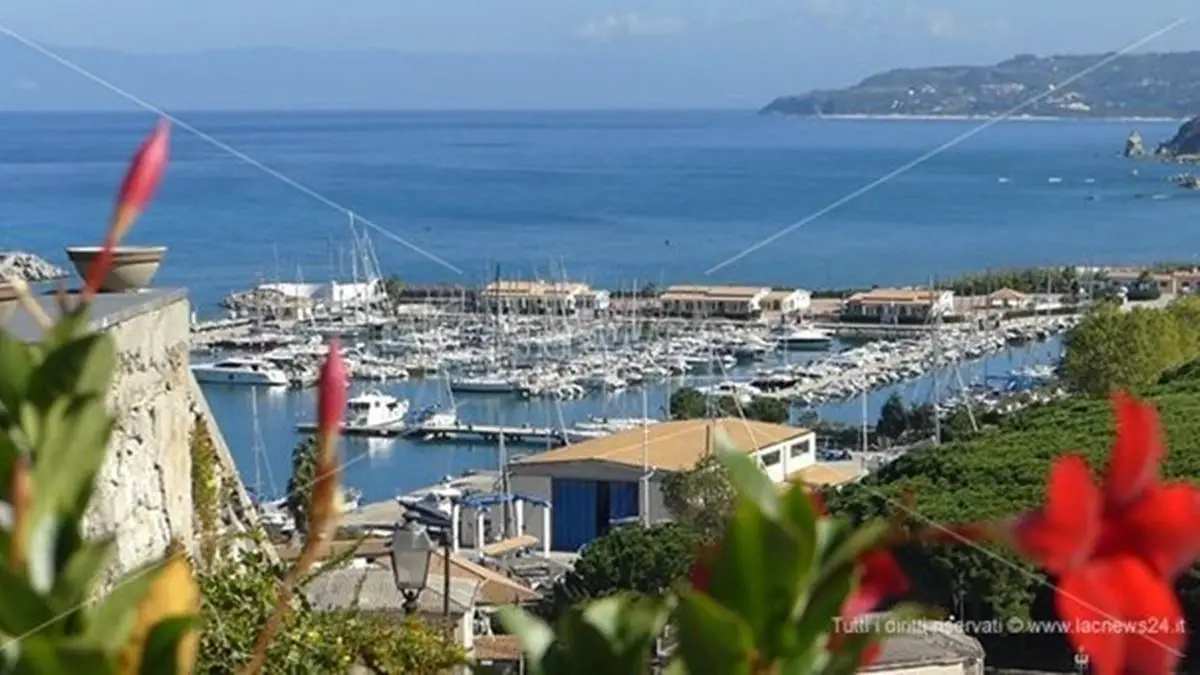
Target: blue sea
(614,198)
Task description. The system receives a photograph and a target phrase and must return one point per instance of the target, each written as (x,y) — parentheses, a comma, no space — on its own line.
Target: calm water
(608,197)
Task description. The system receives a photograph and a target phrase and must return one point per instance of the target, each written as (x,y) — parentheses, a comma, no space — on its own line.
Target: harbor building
(714,302)
(787,301)
(898,305)
(599,484)
(512,296)
(1009,299)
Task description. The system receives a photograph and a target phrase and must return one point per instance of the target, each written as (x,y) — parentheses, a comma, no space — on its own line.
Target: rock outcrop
(29,267)
(1186,142)
(1133,145)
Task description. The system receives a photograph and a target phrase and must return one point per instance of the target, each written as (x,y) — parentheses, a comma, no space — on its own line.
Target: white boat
(373,409)
(806,338)
(435,418)
(487,384)
(743,392)
(602,380)
(244,371)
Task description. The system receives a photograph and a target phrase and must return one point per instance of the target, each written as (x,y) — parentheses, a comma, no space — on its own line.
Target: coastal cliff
(1185,143)
(1132,85)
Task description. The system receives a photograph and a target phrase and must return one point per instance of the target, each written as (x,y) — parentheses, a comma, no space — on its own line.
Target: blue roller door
(623,500)
(572,513)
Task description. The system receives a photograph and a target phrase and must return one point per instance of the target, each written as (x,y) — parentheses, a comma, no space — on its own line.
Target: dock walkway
(490,433)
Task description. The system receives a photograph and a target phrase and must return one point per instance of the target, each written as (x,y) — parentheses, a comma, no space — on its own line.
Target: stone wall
(144,494)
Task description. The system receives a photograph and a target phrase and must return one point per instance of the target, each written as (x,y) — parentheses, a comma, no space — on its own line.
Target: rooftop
(1008,294)
(671,446)
(690,292)
(522,287)
(896,295)
(373,589)
(107,309)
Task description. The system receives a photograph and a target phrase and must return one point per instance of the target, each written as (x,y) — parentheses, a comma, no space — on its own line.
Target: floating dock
(490,433)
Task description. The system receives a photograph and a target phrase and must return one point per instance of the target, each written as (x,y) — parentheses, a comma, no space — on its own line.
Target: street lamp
(411,551)
(1081,662)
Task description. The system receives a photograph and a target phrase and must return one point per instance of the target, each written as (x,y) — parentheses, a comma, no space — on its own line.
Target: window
(771,458)
(799,449)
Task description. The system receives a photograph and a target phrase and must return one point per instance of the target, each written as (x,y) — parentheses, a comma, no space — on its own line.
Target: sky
(619,53)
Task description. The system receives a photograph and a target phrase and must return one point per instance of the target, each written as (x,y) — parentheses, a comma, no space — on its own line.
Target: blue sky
(748,49)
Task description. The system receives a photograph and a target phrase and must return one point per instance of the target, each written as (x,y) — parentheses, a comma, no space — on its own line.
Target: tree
(688,404)
(1112,349)
(765,409)
(701,498)
(893,418)
(645,560)
(299,486)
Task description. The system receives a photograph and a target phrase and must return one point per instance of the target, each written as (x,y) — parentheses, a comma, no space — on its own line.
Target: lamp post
(1081,662)
(411,550)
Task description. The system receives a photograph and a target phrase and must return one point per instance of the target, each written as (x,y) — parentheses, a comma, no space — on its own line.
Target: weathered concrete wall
(144,495)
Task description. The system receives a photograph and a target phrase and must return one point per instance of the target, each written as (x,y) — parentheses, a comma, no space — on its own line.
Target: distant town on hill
(1132,85)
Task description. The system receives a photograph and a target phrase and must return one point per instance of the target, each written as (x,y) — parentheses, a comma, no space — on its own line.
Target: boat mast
(937,362)
(645,459)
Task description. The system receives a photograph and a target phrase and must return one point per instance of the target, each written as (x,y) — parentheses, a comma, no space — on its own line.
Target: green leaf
(865,537)
(536,637)
(586,647)
(160,656)
(22,610)
(17,364)
(112,619)
(81,571)
(821,610)
(712,639)
(797,509)
(82,366)
(63,473)
(760,572)
(44,655)
(40,553)
(846,659)
(750,482)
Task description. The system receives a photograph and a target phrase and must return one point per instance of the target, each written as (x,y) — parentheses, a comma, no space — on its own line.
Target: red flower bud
(331,391)
(144,174)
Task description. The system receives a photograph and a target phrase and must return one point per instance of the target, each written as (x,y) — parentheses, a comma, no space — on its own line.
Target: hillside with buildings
(1132,85)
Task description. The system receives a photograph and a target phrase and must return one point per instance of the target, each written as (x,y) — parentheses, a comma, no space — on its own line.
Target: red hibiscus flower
(1115,549)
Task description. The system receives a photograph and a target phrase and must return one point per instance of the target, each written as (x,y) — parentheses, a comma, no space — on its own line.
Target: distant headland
(1132,86)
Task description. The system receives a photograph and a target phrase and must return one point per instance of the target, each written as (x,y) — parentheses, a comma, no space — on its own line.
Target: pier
(491,433)
(376,431)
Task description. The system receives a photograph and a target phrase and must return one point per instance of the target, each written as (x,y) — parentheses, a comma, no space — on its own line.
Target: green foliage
(54,432)
(688,404)
(646,560)
(238,599)
(205,488)
(393,286)
(701,498)
(768,601)
(1057,280)
(300,482)
(1112,349)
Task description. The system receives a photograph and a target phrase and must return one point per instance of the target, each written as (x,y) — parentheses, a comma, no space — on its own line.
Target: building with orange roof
(898,305)
(595,485)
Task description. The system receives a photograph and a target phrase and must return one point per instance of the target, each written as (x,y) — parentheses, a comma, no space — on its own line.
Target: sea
(618,199)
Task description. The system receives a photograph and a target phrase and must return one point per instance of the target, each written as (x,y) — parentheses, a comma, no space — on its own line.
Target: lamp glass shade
(411,550)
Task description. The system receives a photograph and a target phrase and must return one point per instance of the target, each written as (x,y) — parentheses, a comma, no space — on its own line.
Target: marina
(434,393)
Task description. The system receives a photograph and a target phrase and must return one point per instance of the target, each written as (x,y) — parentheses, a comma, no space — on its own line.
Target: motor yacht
(241,371)
(373,409)
(805,338)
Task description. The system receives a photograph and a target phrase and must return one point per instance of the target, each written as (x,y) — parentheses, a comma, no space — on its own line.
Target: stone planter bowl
(8,302)
(133,266)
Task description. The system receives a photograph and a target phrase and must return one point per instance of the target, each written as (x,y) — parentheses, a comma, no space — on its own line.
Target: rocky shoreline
(29,267)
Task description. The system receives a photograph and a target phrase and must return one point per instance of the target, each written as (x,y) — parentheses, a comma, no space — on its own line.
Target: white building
(593,485)
(787,301)
(899,305)
(541,297)
(333,293)
(716,302)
